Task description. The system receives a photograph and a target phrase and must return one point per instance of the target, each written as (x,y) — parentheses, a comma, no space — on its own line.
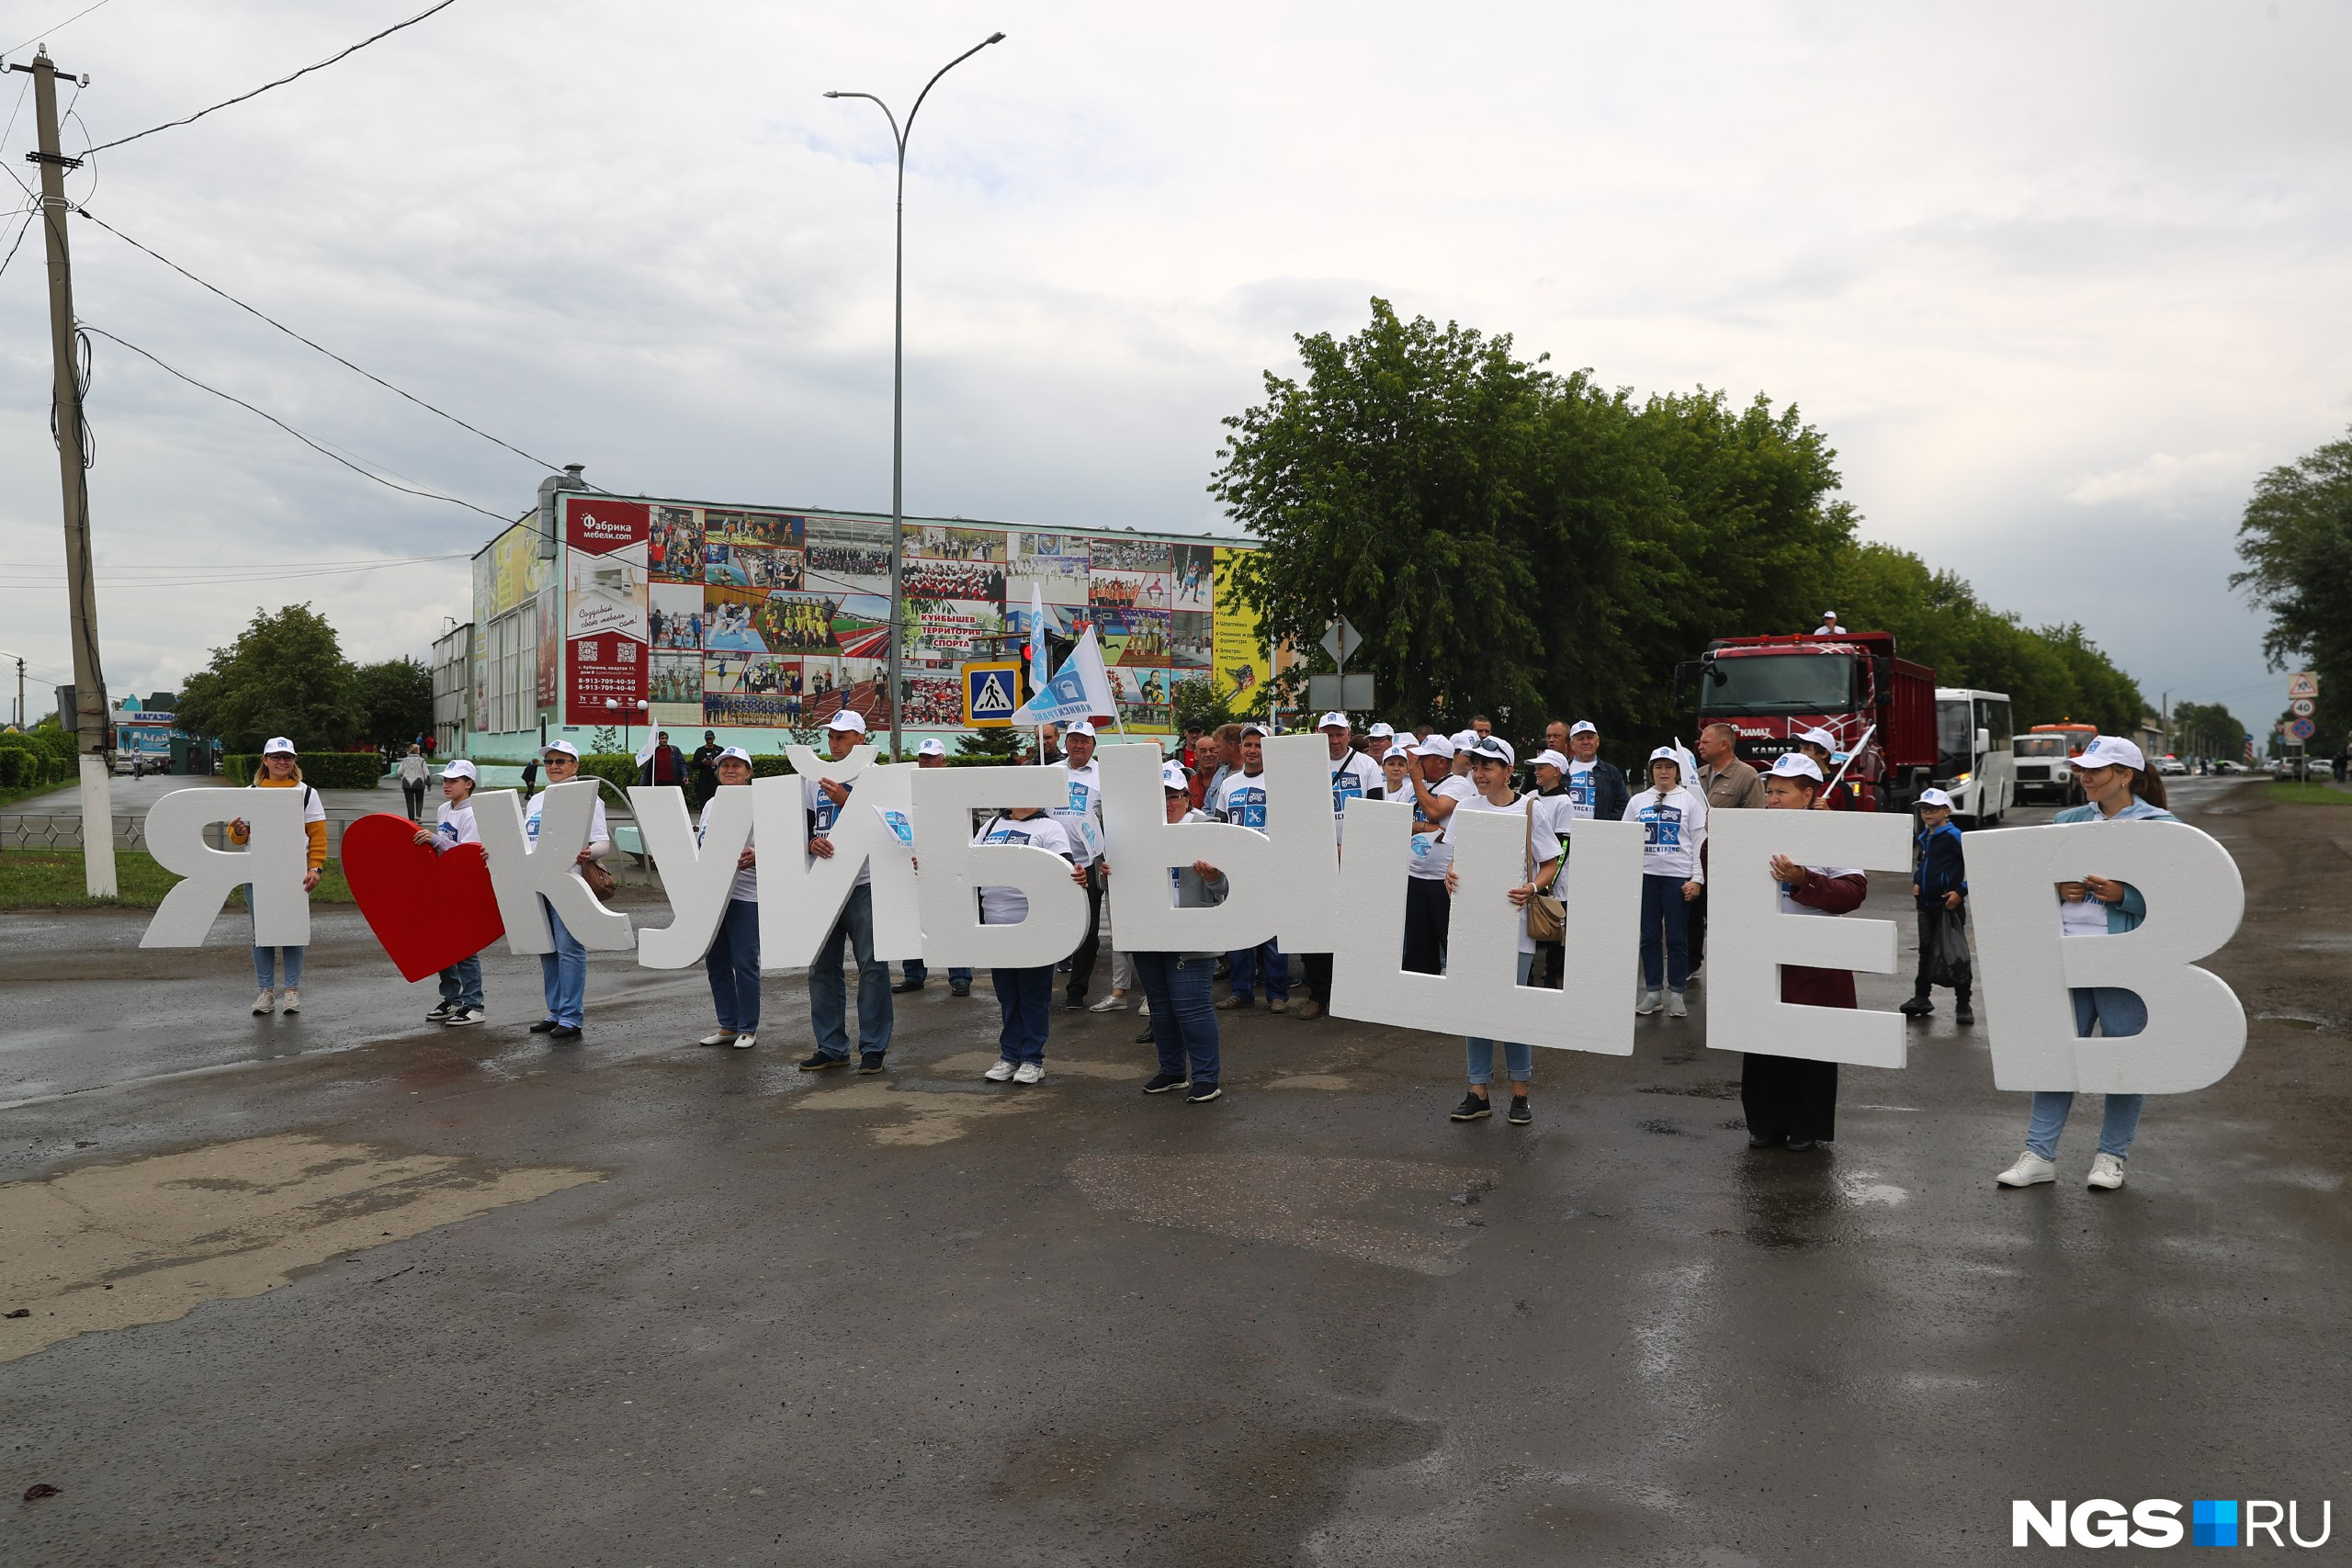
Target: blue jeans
(734,963)
(1244,976)
(916,971)
(829,993)
(1664,932)
(1519,1060)
(461,983)
(1025,998)
(1183,1024)
(2118,1013)
(564,973)
(263,956)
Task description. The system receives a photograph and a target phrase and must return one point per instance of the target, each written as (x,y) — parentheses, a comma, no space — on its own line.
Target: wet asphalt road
(827,1321)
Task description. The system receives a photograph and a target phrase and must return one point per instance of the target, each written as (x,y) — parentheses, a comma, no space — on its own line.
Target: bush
(320,770)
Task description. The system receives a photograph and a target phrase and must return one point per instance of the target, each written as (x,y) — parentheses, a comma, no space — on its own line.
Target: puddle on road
(1398,1213)
(116,1245)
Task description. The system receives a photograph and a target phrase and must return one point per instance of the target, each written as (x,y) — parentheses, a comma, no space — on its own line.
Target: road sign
(991,693)
(2302,683)
(1341,642)
(1340,692)
(2301,729)
(2302,707)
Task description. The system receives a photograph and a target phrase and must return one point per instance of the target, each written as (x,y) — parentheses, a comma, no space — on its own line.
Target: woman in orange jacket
(280,768)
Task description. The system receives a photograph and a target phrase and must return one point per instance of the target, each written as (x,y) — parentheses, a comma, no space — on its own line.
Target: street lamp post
(899,377)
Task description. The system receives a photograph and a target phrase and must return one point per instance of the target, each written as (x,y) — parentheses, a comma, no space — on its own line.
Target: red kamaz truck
(1880,708)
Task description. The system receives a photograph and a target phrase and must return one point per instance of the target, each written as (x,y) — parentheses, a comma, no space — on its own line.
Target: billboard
(607,637)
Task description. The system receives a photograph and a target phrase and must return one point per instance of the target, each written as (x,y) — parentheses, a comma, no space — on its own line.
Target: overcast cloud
(2059,283)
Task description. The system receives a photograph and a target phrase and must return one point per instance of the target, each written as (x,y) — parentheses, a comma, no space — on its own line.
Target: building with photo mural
(627,611)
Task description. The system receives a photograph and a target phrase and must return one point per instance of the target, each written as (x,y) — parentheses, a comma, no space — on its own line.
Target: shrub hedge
(25,763)
(320,770)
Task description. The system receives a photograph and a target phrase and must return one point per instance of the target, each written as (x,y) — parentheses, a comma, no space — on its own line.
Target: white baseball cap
(1548,758)
(1666,754)
(932,746)
(461,769)
(1076,728)
(738,753)
(1171,777)
(1797,765)
(847,718)
(1435,746)
(277,746)
(1255,729)
(1494,749)
(2104,751)
(1402,754)
(1934,797)
(1584,727)
(1462,737)
(561,748)
(1382,732)
(1820,738)
(1328,719)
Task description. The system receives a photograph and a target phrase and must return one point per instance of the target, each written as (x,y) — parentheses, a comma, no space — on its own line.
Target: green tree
(2208,729)
(2296,541)
(394,702)
(284,675)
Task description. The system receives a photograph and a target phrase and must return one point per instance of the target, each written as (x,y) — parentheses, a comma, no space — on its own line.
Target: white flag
(1080,689)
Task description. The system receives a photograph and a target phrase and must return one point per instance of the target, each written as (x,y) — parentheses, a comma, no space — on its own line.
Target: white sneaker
(1674,1006)
(1143,1010)
(718,1037)
(1000,1072)
(464,1016)
(263,1001)
(2106,1171)
(744,1040)
(1029,1072)
(2031,1171)
(1651,1001)
(1114,1002)
(292,1002)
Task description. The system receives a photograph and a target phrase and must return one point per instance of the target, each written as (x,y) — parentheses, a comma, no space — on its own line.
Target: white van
(1973,763)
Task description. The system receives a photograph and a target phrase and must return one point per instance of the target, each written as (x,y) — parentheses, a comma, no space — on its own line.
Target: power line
(59,28)
(266,86)
(314,445)
(297,337)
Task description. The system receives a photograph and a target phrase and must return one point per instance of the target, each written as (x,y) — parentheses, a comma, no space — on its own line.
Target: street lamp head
(832,94)
(995,38)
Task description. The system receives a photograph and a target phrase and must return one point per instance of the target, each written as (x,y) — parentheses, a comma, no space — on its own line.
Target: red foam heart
(429,910)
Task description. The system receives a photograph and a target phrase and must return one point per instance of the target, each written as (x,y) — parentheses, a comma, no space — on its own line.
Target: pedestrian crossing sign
(991,693)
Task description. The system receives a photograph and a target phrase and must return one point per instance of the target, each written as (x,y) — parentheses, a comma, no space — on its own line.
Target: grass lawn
(2313,793)
(51,879)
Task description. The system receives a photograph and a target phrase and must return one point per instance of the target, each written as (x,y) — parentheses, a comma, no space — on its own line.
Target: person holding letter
(453,824)
(1024,997)
(563,974)
(733,960)
(1674,829)
(1490,764)
(1791,1102)
(1176,985)
(281,769)
(2120,787)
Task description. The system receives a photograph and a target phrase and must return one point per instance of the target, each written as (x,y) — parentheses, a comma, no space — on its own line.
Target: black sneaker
(1162,1082)
(464,1016)
(904,986)
(959,987)
(1918,1007)
(869,1062)
(545,1026)
(1146,1037)
(440,1014)
(1073,1004)
(820,1062)
(1803,1144)
(564,1031)
(1520,1115)
(1964,1014)
(1474,1108)
(1203,1093)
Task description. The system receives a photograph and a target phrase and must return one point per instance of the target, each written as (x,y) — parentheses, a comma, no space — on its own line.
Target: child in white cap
(1791,1102)
(453,824)
(1674,828)
(2121,787)
(1938,885)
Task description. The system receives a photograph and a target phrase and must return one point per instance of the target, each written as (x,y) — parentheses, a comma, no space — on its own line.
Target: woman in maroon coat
(1793,1103)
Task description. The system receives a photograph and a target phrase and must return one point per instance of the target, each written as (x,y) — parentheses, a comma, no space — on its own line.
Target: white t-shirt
(826,814)
(453,823)
(1010,906)
(1431,853)
(1674,826)
(1580,790)
(2085,918)
(1353,777)
(1241,800)
(1551,822)
(1082,819)
(600,837)
(747,879)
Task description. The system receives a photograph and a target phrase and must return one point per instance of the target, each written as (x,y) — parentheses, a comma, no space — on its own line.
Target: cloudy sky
(2058,282)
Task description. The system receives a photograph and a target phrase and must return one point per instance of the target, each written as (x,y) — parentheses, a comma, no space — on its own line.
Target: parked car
(2171,766)
(2226,766)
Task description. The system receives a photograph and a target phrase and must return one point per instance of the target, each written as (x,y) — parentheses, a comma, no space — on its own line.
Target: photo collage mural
(729,619)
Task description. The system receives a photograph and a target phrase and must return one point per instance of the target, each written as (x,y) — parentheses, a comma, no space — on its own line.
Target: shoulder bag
(1547,918)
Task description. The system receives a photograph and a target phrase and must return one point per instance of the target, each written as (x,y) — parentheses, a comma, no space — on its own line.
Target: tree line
(1515,540)
(286,674)
(2296,540)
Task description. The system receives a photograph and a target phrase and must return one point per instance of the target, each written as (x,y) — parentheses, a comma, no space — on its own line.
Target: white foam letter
(522,874)
(697,876)
(274,862)
(954,869)
(1141,909)
(1748,939)
(2195,897)
(1305,831)
(801,897)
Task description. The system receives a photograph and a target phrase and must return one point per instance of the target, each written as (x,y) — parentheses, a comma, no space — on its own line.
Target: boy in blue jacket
(1940,886)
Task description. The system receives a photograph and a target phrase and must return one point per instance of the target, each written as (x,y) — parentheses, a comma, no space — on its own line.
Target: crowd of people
(674,631)
(849,560)
(1790,1103)
(1126,592)
(674,547)
(949,579)
(1128,555)
(797,624)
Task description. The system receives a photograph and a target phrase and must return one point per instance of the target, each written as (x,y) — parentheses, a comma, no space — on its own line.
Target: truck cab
(1879,707)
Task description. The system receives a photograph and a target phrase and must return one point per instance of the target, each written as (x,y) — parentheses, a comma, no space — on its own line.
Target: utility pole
(89,680)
